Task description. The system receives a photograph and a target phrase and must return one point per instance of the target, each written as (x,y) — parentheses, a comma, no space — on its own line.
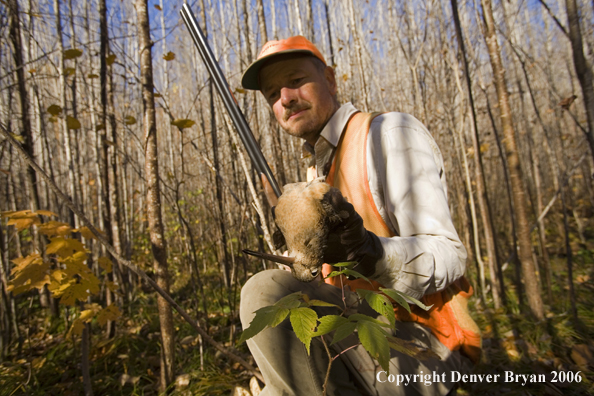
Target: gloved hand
(350,241)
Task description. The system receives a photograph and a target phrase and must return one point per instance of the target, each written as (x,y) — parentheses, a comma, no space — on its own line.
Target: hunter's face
(301,94)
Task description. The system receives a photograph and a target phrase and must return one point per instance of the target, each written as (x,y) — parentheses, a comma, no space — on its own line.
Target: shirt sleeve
(407,182)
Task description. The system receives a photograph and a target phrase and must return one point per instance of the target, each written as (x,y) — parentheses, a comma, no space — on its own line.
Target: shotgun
(245,133)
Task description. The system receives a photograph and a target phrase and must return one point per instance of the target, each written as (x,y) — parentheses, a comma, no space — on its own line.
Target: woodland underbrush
(46,361)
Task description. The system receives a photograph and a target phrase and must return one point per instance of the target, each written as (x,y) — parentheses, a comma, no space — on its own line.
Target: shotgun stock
(245,133)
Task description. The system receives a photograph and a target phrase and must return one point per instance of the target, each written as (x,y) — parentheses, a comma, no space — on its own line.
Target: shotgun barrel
(245,133)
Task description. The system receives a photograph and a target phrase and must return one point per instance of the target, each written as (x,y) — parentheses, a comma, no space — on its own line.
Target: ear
(331,80)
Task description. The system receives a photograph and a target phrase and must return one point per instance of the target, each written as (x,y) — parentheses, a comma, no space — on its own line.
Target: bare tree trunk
(261,22)
(103,149)
(15,38)
(153,196)
(569,254)
(518,188)
(483,200)
(582,69)
(359,55)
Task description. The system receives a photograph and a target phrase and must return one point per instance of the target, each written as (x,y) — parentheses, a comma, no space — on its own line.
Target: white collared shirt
(407,181)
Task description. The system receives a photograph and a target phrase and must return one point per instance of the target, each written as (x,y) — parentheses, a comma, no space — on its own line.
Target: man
(399,231)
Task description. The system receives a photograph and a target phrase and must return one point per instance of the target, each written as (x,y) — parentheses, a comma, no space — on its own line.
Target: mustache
(295,109)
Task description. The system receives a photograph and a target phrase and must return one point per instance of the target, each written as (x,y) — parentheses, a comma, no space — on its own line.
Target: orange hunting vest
(448,319)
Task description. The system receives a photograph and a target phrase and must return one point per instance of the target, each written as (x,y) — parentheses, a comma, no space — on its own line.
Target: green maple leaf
(329,323)
(373,339)
(400,298)
(320,303)
(343,331)
(304,321)
(380,303)
(267,316)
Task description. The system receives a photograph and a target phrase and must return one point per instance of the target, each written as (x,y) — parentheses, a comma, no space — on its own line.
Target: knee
(261,290)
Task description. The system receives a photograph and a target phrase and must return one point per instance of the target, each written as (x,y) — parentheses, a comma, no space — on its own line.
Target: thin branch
(557,21)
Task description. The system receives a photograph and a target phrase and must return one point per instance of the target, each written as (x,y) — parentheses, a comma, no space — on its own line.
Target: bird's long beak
(272,257)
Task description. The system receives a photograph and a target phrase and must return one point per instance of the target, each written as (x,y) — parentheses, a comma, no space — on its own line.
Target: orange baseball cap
(295,44)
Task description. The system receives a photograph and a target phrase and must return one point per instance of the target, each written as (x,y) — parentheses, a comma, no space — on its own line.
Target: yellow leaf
(53,119)
(91,183)
(345,77)
(157,95)
(73,290)
(32,71)
(111,286)
(23,219)
(55,228)
(6,214)
(69,71)
(72,53)
(108,313)
(93,75)
(72,123)
(85,232)
(484,147)
(129,120)
(169,56)
(240,90)
(64,247)
(18,138)
(158,7)
(183,123)
(30,272)
(110,59)
(99,127)
(46,213)
(105,263)
(85,316)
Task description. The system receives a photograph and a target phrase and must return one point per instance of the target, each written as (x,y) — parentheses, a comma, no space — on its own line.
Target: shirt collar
(329,137)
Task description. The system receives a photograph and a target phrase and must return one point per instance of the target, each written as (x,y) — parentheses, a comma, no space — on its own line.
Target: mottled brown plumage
(305,215)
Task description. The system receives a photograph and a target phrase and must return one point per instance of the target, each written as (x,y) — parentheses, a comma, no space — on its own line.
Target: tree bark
(582,69)
(518,188)
(497,286)
(153,196)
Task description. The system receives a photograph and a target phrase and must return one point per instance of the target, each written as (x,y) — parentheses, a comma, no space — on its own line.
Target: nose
(288,96)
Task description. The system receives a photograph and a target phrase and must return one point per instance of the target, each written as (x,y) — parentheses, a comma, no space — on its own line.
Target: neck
(315,137)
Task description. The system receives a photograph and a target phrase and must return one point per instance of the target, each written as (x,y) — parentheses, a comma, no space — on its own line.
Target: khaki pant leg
(288,370)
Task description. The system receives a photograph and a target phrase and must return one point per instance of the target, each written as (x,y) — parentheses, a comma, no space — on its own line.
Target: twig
(552,201)
(554,18)
(330,360)
(25,156)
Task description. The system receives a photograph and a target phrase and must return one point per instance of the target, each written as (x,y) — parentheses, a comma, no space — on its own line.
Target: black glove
(348,240)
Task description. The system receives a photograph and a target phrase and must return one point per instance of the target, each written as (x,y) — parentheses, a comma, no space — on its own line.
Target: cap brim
(250,78)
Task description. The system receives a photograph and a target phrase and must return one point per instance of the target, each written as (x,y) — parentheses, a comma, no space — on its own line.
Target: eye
(314,272)
(296,81)
(273,96)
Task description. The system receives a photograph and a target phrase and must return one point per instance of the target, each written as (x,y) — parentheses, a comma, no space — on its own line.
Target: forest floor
(48,363)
